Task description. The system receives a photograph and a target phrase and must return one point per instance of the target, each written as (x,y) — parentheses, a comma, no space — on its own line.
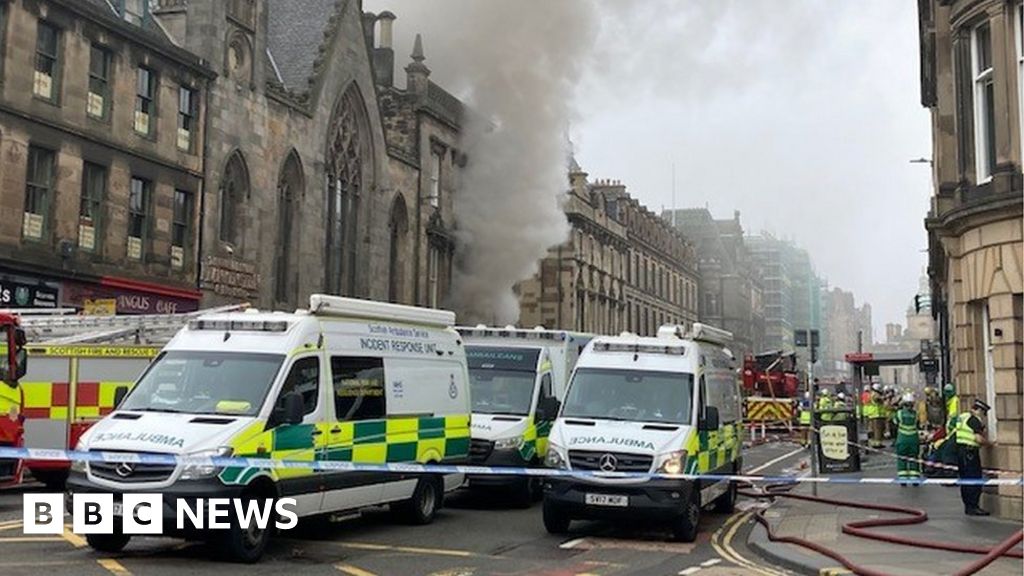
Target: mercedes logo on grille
(125,469)
(608,463)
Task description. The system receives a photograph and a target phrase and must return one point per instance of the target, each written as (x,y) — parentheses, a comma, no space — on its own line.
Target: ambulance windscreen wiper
(164,410)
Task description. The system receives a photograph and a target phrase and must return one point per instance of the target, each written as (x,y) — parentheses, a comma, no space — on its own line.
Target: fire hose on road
(860,529)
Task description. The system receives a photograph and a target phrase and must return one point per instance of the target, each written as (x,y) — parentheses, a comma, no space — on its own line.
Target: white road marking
(570,544)
(775,461)
(690,570)
(711,562)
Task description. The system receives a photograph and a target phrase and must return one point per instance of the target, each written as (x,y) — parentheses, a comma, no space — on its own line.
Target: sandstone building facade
(972,81)
(622,269)
(102,124)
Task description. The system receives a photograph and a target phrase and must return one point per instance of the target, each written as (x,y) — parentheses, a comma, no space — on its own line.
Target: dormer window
(133,11)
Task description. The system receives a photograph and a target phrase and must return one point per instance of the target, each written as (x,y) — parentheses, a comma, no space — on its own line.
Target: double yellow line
(721,540)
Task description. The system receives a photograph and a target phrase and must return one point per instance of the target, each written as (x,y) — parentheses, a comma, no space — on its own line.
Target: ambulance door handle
(317,432)
(335,430)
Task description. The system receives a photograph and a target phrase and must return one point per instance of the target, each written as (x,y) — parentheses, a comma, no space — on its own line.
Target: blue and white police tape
(413,468)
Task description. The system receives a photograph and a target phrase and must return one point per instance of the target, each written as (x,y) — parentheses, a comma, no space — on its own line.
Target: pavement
(477,534)
(822,524)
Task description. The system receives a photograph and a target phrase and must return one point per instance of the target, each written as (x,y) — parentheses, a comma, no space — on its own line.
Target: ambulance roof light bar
(538,333)
(674,349)
(705,333)
(326,305)
(239,325)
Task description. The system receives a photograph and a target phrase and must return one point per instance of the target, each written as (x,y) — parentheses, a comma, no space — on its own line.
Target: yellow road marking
(31,539)
(113,566)
(726,550)
(75,540)
(352,570)
(407,549)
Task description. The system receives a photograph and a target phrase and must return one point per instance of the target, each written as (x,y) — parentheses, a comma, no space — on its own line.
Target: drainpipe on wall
(207,90)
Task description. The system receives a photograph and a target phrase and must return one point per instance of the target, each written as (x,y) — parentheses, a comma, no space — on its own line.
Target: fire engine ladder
(63,329)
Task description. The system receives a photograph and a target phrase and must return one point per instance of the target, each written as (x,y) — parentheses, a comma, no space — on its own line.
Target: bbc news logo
(143,514)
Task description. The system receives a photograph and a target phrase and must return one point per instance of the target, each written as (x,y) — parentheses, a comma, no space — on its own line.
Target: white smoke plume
(516,64)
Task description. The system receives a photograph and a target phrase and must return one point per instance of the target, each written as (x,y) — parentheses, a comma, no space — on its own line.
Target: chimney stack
(383,52)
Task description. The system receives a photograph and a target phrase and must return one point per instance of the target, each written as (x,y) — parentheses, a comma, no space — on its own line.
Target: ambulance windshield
(194,382)
(501,379)
(635,395)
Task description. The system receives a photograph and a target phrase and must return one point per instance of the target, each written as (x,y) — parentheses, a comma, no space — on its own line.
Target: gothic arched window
(290,187)
(398,226)
(347,165)
(234,189)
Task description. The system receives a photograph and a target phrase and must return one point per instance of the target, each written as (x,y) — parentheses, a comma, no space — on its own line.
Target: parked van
(517,381)
(347,380)
(667,405)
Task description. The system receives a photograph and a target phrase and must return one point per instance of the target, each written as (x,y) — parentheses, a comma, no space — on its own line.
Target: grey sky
(801,114)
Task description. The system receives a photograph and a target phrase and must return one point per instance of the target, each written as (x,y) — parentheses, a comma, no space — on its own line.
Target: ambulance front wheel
(245,544)
(685,527)
(425,501)
(555,520)
(107,542)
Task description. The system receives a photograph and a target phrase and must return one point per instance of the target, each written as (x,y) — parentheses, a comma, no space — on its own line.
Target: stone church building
(320,174)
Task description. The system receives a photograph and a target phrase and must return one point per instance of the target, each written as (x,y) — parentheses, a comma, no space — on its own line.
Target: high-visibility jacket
(952,413)
(873,409)
(805,416)
(825,403)
(964,433)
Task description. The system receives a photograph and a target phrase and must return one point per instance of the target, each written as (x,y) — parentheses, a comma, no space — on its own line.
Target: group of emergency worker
(907,420)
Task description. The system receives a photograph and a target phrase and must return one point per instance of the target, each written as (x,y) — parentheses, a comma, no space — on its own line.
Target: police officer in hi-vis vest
(970,436)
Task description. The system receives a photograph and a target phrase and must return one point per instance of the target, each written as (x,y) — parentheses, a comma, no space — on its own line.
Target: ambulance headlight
(673,463)
(199,470)
(555,459)
(78,466)
(513,443)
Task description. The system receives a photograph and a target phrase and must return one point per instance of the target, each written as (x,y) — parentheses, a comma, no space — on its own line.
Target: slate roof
(296,31)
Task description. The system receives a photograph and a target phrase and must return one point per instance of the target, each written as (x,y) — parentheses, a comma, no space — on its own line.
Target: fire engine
(771,386)
(12,367)
(75,369)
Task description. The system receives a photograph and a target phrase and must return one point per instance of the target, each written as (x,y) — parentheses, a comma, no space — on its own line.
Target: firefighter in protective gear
(839,404)
(908,443)
(875,414)
(824,403)
(970,436)
(891,402)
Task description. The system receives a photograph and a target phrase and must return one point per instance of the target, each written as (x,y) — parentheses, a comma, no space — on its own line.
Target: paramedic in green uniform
(908,445)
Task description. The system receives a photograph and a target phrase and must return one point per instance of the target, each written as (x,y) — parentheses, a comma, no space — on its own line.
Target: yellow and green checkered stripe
(535,440)
(413,439)
(710,450)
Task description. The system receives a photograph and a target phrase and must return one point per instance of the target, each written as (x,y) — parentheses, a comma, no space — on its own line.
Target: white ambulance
(348,380)
(667,405)
(517,381)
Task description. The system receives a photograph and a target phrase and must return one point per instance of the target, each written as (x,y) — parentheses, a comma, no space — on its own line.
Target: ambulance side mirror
(710,420)
(119,393)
